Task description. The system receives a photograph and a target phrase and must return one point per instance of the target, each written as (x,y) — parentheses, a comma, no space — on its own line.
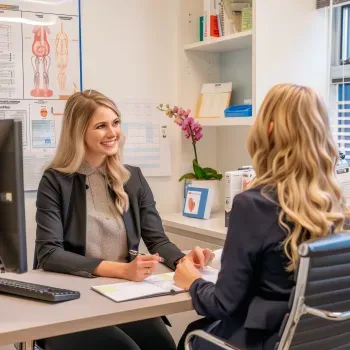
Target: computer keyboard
(36,291)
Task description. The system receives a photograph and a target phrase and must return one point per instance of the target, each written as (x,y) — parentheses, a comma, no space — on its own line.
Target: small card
(198,202)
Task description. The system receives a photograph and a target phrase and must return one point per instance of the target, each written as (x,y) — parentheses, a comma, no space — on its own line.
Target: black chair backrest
(319,317)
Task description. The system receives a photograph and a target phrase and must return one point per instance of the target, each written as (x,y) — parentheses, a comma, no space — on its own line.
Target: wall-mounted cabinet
(225,59)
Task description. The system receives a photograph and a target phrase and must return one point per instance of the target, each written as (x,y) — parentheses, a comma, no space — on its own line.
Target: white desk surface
(24,319)
(214,227)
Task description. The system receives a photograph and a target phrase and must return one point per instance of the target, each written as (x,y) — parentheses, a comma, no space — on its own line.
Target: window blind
(341,131)
(325,3)
(339,98)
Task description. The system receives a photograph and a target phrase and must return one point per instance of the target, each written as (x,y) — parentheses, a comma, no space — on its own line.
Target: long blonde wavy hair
(295,159)
(70,153)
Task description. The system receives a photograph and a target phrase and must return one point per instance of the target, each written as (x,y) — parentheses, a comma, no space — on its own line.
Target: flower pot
(211,184)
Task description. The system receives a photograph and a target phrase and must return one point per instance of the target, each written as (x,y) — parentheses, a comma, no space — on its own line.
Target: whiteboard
(40,67)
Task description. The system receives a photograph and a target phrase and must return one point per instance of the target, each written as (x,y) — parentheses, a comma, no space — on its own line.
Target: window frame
(345,11)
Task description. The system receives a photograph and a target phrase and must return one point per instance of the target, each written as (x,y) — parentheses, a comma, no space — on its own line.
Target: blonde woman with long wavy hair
(294,198)
(92,212)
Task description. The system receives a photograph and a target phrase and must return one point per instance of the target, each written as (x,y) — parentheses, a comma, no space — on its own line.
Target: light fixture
(48,2)
(25,21)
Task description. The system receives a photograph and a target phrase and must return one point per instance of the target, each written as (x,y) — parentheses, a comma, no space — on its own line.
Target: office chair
(319,316)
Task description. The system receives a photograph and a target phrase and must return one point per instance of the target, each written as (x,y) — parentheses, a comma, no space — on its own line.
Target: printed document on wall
(147,141)
(39,69)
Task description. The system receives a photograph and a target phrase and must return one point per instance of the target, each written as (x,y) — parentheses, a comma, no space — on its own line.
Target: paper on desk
(164,281)
(216,262)
(209,274)
(128,290)
(154,285)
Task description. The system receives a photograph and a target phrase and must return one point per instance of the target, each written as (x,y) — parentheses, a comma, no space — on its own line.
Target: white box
(233,186)
(235,182)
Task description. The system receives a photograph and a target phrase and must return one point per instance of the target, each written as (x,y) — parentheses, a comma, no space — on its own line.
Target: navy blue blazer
(253,288)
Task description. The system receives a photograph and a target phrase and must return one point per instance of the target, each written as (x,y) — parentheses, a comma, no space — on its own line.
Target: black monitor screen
(13,253)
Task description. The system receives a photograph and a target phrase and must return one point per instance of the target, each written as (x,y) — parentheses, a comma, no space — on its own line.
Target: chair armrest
(208,337)
(327,315)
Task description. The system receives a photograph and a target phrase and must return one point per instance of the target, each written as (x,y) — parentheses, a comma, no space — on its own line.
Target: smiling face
(102,136)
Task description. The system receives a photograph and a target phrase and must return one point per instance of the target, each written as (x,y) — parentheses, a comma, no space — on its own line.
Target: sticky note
(166,277)
(107,289)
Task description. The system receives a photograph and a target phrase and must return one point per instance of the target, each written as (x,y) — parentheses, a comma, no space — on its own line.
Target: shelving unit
(223,44)
(253,61)
(217,60)
(241,121)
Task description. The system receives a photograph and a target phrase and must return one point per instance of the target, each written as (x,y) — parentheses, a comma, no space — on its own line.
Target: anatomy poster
(40,67)
(51,57)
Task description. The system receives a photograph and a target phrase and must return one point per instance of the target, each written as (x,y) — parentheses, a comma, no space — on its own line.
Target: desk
(27,320)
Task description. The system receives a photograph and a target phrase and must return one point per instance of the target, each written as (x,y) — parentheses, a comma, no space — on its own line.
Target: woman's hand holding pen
(142,267)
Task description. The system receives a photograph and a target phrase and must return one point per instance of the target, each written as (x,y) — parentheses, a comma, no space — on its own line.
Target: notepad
(155,285)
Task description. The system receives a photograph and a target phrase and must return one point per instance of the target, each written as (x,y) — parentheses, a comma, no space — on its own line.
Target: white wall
(291,45)
(134,58)
(122,59)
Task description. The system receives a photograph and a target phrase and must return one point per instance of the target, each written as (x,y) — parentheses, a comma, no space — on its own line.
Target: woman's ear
(270,128)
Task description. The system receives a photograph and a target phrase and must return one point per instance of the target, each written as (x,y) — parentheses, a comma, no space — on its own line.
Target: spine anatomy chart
(41,62)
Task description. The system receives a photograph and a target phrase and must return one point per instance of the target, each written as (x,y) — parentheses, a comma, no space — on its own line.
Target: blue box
(239,111)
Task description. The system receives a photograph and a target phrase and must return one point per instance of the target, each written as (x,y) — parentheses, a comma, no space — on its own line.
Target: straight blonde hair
(296,160)
(70,154)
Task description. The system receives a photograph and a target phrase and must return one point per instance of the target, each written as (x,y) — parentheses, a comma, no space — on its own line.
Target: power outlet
(248,101)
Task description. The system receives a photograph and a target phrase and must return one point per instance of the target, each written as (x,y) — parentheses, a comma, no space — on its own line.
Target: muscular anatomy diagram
(61,44)
(41,50)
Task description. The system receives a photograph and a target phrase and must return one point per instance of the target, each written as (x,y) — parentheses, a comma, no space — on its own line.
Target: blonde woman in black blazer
(91,211)
(295,197)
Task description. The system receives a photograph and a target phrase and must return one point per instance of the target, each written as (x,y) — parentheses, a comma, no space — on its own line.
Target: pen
(136,253)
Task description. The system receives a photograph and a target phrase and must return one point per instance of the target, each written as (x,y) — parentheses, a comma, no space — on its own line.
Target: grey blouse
(105,230)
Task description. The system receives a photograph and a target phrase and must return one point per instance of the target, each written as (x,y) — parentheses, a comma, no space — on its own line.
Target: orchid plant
(193,130)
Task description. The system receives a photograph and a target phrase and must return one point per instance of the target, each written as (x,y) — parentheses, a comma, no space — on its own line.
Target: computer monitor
(13,247)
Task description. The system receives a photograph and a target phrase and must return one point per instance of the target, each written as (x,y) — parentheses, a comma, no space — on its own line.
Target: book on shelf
(201,28)
(247,19)
(211,29)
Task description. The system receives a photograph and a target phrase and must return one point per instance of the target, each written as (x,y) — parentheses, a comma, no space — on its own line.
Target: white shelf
(214,227)
(237,121)
(223,44)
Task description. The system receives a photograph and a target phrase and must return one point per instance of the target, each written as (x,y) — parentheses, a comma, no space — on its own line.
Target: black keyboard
(36,291)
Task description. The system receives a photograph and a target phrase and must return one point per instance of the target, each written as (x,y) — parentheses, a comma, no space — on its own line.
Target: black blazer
(61,223)
(252,292)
